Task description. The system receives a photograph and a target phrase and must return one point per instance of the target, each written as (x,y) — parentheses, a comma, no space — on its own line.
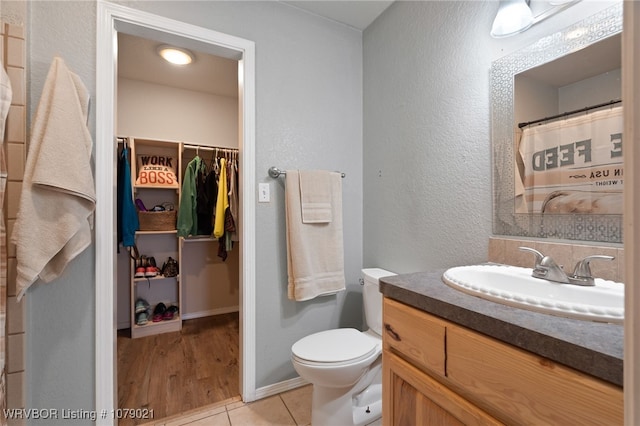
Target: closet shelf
(198,239)
(172,231)
(163,326)
(176,187)
(157,277)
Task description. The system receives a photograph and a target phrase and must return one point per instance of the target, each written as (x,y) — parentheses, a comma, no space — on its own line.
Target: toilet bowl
(345,365)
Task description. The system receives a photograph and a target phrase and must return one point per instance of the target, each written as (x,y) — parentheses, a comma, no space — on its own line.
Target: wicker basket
(157,221)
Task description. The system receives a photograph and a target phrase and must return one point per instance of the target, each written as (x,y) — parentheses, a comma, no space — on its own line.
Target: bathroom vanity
(452,358)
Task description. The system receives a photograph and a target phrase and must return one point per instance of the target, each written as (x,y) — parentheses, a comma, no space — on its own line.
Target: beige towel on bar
(315,252)
(55,217)
(315,196)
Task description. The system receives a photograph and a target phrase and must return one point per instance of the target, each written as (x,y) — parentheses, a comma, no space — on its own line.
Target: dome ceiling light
(175,55)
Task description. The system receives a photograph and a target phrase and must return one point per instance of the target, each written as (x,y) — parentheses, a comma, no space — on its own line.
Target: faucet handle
(539,256)
(583,270)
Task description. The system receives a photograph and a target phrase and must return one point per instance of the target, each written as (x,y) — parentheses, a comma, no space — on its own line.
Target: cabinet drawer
(415,335)
(522,388)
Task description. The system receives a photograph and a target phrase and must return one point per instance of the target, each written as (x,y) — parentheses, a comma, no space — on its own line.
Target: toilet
(345,365)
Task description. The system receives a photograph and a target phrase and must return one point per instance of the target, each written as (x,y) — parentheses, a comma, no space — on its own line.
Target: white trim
(110,18)
(210,312)
(276,388)
(631,147)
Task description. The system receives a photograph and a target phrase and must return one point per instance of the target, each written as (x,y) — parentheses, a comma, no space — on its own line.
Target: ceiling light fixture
(515,16)
(175,55)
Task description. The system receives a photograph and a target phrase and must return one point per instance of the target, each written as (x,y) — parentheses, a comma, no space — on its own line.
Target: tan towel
(55,216)
(315,196)
(315,252)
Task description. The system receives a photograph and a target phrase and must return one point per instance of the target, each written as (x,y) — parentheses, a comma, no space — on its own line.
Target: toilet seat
(334,347)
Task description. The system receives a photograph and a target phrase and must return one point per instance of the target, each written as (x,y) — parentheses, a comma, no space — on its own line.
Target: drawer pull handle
(395,336)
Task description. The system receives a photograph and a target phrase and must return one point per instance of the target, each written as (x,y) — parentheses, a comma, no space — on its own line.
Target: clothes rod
(564,114)
(275,172)
(209,148)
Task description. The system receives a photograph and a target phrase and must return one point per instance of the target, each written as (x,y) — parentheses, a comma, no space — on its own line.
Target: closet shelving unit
(158,244)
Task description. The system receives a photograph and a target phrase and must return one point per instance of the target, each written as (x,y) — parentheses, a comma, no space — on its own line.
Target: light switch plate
(264,195)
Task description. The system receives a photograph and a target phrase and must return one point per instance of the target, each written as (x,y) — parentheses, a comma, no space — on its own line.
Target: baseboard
(276,388)
(210,312)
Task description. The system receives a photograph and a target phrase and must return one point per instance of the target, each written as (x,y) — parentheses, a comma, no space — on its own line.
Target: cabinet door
(412,397)
(523,388)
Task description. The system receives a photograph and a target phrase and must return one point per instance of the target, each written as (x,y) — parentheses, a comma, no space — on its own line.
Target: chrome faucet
(547,269)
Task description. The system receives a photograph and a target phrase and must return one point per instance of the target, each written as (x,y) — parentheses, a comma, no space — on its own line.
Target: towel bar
(275,172)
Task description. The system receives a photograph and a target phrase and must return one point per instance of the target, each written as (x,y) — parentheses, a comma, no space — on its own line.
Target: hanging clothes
(204,205)
(222,202)
(187,213)
(234,201)
(127,214)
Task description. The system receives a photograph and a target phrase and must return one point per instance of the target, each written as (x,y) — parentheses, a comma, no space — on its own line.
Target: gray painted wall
(426,201)
(427,185)
(309,115)
(427,167)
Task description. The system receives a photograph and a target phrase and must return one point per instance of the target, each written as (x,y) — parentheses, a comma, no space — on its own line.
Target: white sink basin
(511,285)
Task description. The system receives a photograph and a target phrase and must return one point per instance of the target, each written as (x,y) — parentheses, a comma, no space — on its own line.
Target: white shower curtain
(574,165)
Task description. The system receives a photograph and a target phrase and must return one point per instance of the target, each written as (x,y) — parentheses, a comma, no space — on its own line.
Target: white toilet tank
(372,298)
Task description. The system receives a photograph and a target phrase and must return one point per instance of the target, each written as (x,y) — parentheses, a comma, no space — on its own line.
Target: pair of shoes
(142,305)
(142,318)
(170,313)
(146,267)
(158,312)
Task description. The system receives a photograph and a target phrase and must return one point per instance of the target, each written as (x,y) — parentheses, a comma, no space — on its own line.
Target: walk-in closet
(178,268)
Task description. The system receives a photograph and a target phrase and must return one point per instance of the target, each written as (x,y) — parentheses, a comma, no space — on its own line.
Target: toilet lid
(339,345)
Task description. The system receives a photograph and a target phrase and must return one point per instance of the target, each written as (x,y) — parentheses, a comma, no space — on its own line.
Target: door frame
(111,19)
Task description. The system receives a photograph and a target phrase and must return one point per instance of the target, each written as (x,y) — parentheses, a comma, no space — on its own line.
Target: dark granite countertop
(591,347)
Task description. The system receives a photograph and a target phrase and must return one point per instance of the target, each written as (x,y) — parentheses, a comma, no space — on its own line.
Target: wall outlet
(263,193)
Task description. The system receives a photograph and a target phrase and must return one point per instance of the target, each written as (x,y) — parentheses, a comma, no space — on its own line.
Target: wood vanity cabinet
(438,373)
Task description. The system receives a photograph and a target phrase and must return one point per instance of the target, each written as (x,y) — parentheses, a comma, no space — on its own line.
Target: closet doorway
(178,117)
(116,21)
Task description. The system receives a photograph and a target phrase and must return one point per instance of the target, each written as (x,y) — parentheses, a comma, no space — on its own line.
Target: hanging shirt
(128,222)
(187,213)
(223,201)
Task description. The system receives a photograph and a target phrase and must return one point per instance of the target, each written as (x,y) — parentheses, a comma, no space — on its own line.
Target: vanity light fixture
(515,16)
(175,55)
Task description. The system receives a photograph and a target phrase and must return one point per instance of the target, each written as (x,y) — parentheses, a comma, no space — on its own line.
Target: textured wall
(427,184)
(309,115)
(427,136)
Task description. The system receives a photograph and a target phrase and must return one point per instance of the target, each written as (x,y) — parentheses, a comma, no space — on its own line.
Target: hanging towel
(223,201)
(315,195)
(315,253)
(55,217)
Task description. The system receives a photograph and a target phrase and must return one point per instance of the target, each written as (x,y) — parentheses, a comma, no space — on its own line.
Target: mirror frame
(585,227)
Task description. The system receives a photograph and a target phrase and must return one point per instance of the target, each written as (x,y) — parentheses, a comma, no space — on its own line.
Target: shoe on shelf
(170,313)
(151,269)
(141,267)
(140,272)
(158,312)
(142,305)
(142,318)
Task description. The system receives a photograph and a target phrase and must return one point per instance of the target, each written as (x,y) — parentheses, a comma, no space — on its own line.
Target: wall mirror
(560,79)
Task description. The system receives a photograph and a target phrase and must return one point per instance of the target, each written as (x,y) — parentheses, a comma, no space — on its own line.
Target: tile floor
(288,408)
(291,408)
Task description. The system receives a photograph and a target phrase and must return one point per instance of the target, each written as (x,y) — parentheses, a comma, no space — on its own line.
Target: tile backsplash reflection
(505,250)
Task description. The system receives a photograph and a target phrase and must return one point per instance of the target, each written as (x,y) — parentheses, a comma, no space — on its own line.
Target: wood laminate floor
(176,372)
